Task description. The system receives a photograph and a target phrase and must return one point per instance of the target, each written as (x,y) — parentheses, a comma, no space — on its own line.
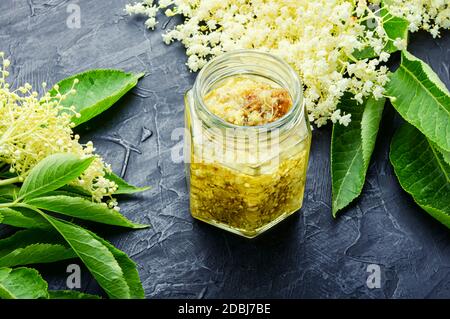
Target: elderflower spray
(248,143)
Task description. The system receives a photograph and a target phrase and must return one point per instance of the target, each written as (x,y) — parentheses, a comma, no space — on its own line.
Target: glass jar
(245,179)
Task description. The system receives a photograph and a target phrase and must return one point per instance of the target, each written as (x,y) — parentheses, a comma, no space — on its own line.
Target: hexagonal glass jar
(245,179)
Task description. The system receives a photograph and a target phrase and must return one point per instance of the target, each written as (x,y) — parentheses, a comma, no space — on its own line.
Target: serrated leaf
(66,193)
(22,218)
(76,190)
(84,209)
(351,149)
(123,186)
(27,237)
(70,294)
(33,247)
(96,91)
(421,99)
(395,27)
(445,154)
(98,258)
(83,241)
(422,172)
(370,123)
(128,267)
(52,173)
(22,283)
(36,254)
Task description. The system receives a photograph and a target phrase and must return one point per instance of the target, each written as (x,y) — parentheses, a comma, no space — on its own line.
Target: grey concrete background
(310,255)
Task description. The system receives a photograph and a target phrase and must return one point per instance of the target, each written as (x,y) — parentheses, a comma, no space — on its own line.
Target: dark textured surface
(309,255)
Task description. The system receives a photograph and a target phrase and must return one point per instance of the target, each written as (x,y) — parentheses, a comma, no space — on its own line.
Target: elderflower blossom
(146,8)
(429,15)
(32,128)
(317,38)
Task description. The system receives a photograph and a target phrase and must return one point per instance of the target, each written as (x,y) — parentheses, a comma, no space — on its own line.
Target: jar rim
(296,93)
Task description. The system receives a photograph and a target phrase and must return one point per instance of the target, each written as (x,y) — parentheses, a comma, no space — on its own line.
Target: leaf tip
(139,75)
(334,212)
(140,226)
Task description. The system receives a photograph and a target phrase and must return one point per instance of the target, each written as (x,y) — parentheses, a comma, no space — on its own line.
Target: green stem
(10,181)
(6,205)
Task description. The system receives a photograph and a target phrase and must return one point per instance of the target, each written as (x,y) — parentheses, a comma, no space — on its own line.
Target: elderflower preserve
(222,152)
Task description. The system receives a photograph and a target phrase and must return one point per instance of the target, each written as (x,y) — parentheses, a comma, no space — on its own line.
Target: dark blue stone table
(309,255)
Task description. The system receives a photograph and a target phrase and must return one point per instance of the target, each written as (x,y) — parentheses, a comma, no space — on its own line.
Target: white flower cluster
(318,38)
(430,15)
(31,128)
(146,8)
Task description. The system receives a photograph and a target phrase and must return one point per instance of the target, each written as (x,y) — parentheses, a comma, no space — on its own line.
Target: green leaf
(22,283)
(84,209)
(422,172)
(27,237)
(83,239)
(422,99)
(9,191)
(128,268)
(36,254)
(76,190)
(445,154)
(98,258)
(32,247)
(66,193)
(23,218)
(395,27)
(351,149)
(52,173)
(96,91)
(70,294)
(123,186)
